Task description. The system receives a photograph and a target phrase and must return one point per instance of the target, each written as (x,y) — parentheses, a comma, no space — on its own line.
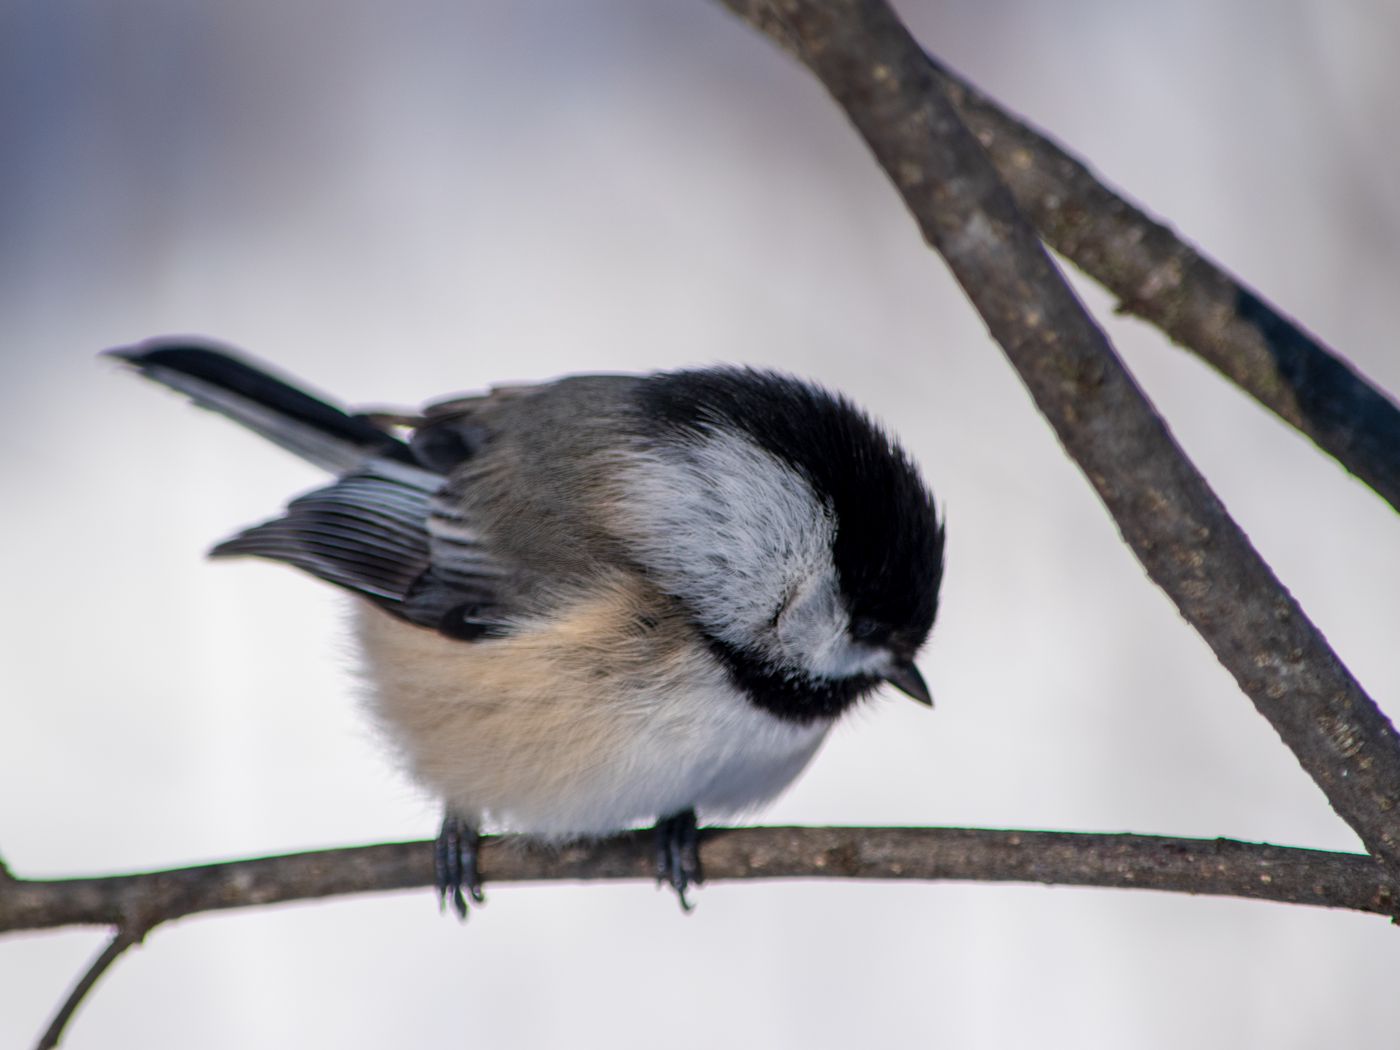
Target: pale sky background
(400,201)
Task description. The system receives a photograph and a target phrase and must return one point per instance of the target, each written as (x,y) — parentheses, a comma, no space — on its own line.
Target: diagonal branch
(1168,283)
(1165,281)
(1167,513)
(125,937)
(1220,867)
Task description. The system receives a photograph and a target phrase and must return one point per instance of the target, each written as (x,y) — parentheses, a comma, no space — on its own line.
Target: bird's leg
(455,864)
(677,840)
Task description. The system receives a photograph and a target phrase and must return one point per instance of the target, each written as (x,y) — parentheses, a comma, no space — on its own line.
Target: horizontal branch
(1217,867)
(1168,515)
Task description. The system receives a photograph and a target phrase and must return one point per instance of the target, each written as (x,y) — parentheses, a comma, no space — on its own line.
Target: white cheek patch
(813,622)
(734,532)
(812,633)
(742,539)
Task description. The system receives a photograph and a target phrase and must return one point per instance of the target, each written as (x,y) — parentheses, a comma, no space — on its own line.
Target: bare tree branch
(125,937)
(1221,867)
(1165,281)
(1191,298)
(895,96)
(1167,513)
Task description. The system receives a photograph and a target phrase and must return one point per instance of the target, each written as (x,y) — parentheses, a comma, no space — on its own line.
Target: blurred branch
(1165,281)
(1167,513)
(136,904)
(1220,867)
(125,937)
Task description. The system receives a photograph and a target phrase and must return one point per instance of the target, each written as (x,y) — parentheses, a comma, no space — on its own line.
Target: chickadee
(602,600)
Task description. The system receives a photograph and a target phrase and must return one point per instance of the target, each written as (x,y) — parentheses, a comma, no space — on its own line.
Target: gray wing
(373,533)
(471,521)
(530,476)
(505,509)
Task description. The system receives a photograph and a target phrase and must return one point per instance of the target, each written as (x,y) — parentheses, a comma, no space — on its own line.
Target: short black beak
(906,678)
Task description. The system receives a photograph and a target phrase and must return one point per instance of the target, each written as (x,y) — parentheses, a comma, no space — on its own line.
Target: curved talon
(677,844)
(454,865)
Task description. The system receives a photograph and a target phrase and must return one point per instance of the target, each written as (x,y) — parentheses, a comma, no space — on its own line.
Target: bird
(598,602)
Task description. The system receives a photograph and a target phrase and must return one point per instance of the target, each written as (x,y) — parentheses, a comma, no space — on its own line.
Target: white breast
(584,724)
(707,747)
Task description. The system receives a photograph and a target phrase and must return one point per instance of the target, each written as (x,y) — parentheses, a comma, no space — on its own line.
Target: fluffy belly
(582,725)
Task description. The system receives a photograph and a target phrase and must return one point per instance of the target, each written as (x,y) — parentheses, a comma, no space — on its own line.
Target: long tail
(312,428)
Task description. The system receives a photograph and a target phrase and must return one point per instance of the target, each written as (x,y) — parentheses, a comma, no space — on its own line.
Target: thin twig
(124,938)
(1219,867)
(1167,513)
(1167,282)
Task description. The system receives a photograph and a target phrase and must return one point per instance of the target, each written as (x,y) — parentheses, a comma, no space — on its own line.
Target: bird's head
(798,535)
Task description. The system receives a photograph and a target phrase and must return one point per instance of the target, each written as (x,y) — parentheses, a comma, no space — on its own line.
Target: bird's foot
(677,840)
(455,865)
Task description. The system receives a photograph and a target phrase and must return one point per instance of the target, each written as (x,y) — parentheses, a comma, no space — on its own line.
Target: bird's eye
(864,629)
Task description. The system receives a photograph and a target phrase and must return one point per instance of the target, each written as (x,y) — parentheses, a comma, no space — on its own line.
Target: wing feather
(376,534)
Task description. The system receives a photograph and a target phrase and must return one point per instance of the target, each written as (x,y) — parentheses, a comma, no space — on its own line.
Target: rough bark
(1222,867)
(1167,282)
(1168,515)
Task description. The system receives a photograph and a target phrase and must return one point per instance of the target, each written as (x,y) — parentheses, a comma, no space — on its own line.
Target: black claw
(677,841)
(454,863)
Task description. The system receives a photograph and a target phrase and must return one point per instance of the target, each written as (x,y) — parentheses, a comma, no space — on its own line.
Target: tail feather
(314,429)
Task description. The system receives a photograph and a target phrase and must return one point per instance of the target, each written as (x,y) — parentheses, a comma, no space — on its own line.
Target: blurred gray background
(400,201)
